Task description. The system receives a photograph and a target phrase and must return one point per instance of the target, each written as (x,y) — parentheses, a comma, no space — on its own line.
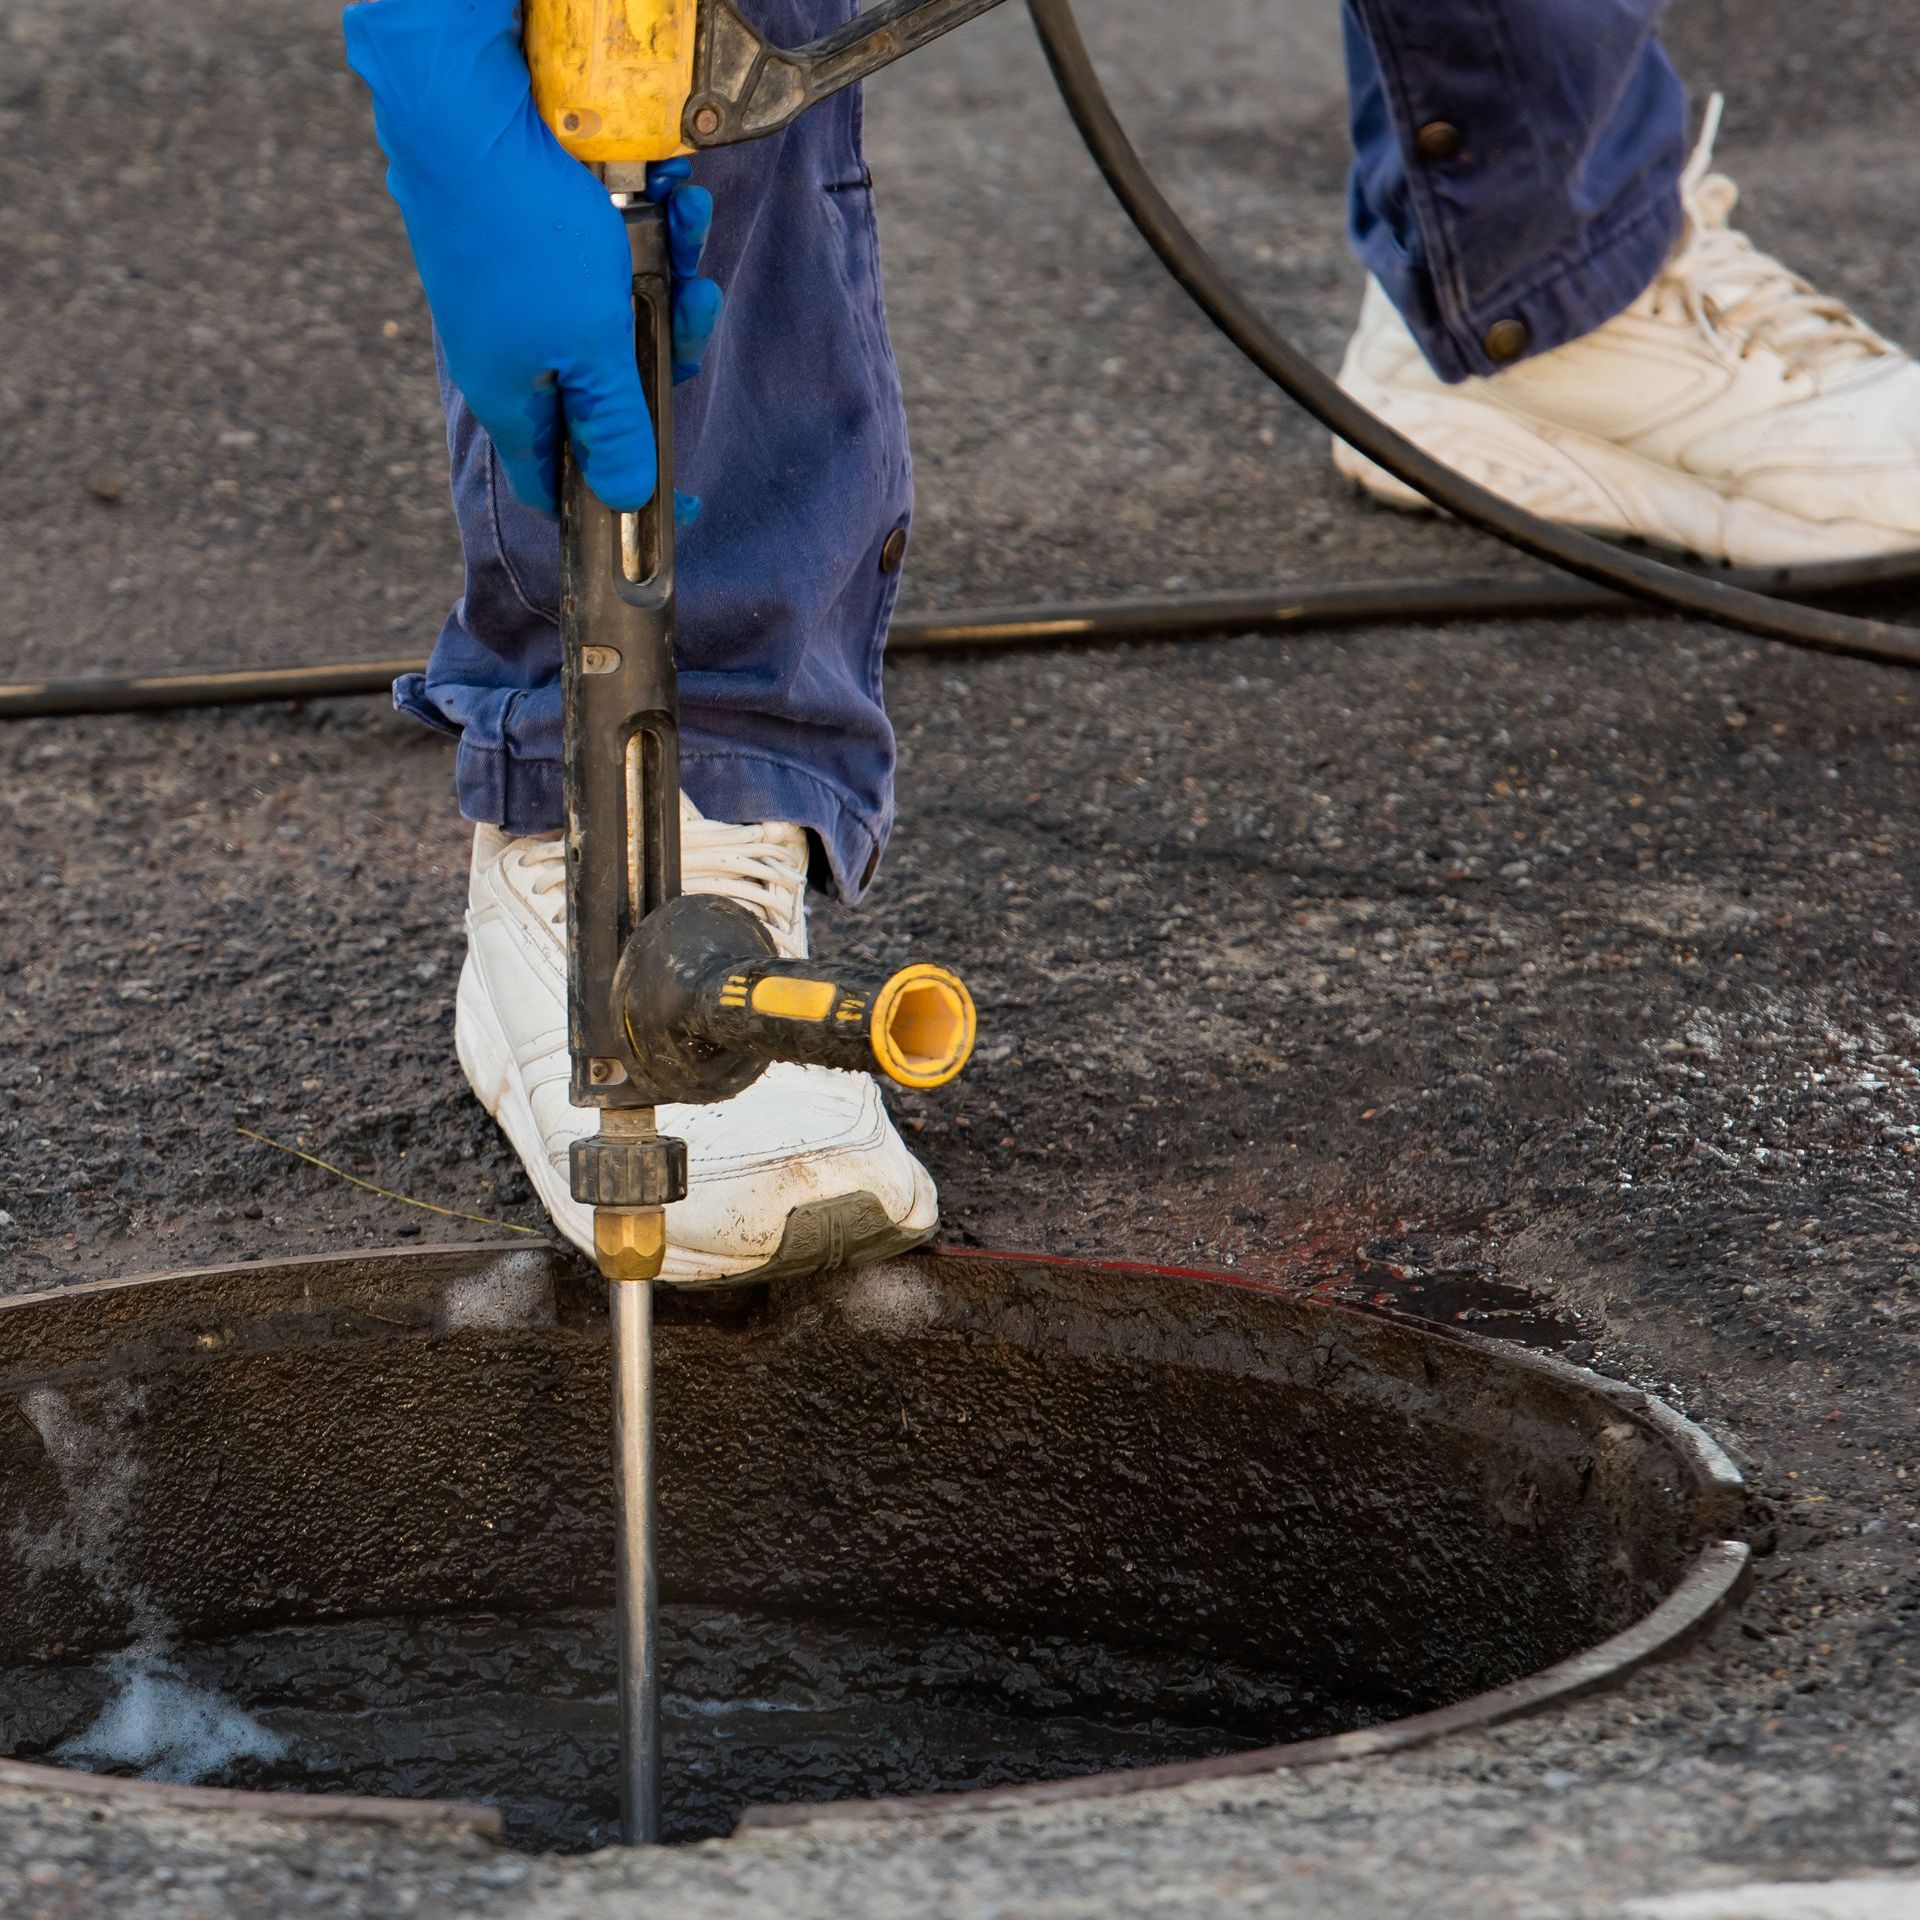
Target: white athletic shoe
(1732,411)
(801,1173)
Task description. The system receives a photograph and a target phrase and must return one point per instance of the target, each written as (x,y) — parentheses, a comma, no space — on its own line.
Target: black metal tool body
(620,687)
(620,690)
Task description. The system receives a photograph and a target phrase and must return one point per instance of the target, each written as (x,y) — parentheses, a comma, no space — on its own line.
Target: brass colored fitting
(630,1243)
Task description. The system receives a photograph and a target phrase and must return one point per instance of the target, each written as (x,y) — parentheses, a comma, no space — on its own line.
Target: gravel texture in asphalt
(1575,958)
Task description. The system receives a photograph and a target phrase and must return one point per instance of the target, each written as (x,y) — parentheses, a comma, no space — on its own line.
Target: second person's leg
(1517,166)
(1562,310)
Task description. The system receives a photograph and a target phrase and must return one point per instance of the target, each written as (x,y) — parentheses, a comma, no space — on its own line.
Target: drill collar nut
(649,1170)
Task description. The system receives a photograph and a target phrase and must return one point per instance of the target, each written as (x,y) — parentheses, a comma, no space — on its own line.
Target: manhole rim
(1714,1581)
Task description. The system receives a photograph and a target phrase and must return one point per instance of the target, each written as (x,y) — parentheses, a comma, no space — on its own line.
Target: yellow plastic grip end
(611,77)
(922,1026)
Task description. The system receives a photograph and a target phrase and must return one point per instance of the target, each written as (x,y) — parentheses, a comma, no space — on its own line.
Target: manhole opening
(953,1523)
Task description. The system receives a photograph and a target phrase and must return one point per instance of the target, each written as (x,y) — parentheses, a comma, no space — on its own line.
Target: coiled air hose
(1769,602)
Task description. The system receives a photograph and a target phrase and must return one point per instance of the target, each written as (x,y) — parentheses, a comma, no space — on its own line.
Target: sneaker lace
(761,868)
(543,859)
(748,865)
(1730,288)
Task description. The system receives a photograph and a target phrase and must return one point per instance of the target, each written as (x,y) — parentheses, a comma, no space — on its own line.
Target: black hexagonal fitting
(647,1172)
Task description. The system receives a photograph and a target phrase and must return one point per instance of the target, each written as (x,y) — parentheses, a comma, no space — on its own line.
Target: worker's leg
(794,436)
(1516,166)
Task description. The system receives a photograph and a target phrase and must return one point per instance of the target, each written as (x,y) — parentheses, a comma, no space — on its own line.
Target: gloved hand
(523,257)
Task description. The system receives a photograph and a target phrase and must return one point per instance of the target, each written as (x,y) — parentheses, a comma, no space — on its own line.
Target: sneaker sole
(823,1236)
(1595,486)
(827,1236)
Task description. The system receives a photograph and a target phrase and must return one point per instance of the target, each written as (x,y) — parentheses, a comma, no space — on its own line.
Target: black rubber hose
(1619,569)
(153,692)
(1091,623)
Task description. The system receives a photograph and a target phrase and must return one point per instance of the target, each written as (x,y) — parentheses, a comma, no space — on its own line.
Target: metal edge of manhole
(1715,1579)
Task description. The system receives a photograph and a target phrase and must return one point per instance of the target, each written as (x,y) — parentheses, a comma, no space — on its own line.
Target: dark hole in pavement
(961,1521)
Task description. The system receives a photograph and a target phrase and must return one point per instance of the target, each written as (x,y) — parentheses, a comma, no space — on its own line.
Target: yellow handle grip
(611,77)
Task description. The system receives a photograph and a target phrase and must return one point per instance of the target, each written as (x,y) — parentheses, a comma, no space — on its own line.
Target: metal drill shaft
(630,1305)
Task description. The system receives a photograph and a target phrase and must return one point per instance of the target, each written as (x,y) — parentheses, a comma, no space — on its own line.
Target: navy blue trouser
(1514,185)
(1516,165)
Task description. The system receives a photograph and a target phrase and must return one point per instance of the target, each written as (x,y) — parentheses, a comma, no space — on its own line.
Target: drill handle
(744,87)
(708,1003)
(914,1024)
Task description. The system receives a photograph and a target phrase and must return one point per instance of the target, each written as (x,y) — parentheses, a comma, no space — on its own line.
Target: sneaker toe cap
(1852,457)
(799,1135)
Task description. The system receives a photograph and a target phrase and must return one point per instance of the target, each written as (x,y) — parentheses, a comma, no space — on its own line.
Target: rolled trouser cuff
(1517,167)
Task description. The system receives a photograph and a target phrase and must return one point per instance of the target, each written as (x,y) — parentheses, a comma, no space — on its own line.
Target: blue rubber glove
(523,256)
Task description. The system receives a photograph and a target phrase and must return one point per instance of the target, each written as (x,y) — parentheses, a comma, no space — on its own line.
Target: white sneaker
(1732,411)
(801,1173)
